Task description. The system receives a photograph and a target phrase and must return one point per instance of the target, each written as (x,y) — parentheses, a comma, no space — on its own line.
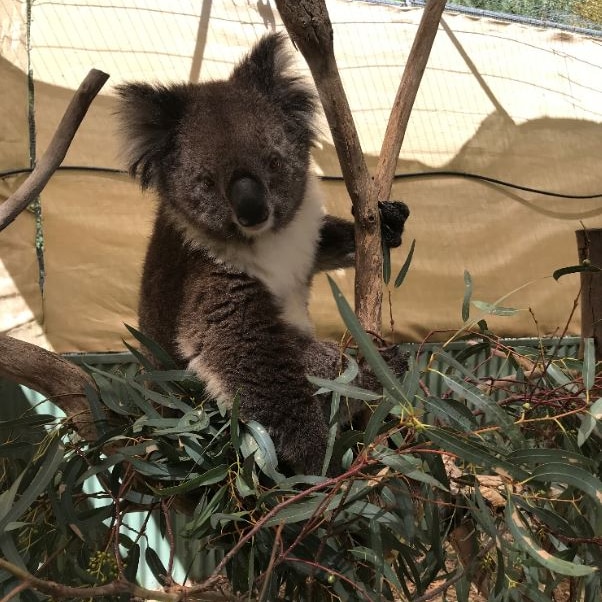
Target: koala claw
(393,215)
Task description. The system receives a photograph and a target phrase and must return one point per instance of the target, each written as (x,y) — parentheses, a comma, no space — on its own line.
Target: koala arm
(336,246)
(238,350)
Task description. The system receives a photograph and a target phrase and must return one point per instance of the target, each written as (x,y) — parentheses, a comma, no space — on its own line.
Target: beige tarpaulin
(508,101)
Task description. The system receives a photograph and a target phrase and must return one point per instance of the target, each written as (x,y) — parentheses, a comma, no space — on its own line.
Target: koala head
(229,157)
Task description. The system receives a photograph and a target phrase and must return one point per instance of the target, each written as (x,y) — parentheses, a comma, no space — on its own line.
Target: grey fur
(239,232)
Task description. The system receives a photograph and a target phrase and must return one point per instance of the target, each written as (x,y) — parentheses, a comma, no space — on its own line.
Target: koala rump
(238,235)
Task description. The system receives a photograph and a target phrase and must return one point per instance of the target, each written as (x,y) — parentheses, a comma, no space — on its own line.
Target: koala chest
(283,262)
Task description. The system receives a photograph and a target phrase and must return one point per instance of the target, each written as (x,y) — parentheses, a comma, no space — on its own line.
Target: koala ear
(267,69)
(149,115)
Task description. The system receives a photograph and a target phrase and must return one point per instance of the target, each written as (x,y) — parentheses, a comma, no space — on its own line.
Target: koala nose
(247,197)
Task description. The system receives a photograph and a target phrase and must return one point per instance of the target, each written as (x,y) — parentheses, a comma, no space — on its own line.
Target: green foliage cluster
(509,467)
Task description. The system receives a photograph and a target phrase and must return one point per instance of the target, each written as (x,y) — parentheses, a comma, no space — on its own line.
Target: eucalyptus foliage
(516,458)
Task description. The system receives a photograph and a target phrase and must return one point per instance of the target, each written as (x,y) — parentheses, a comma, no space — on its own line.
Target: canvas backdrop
(505,100)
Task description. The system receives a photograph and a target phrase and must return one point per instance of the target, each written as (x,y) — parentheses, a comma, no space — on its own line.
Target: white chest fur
(283,260)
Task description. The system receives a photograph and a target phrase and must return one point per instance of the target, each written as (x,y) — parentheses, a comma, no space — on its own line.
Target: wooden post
(589,245)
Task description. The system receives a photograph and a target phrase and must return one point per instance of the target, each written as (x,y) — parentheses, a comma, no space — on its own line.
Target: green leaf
(212,476)
(407,465)
(343,389)
(156,566)
(561,378)
(53,457)
(527,543)
(265,456)
(467,296)
(557,523)
(451,361)
(451,411)
(133,558)
(305,509)
(462,589)
(544,455)
(157,351)
(493,412)
(384,374)
(495,310)
(25,423)
(386,263)
(376,421)
(589,420)
(199,524)
(589,363)
(556,472)
(468,450)
(573,269)
(116,403)
(406,266)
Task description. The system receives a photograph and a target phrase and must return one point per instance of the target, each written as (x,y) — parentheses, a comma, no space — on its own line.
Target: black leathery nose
(247,197)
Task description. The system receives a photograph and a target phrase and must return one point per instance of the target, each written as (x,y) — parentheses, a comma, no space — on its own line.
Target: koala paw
(393,216)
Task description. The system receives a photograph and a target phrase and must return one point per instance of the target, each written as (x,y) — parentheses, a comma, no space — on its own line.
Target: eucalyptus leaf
(469,450)
(557,472)
(158,352)
(37,483)
(493,309)
(452,412)
(526,541)
(589,363)
(26,422)
(386,263)
(303,510)
(156,566)
(210,477)
(384,374)
(266,455)
(467,296)
(343,389)
(589,421)
(406,266)
(496,414)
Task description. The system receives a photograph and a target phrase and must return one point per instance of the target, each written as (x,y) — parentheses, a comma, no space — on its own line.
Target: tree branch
(56,378)
(30,365)
(57,149)
(310,28)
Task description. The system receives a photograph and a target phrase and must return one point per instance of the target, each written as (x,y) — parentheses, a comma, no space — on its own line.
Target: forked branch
(310,28)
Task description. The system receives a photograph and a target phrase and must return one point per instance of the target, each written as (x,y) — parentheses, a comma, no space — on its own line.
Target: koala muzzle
(247,197)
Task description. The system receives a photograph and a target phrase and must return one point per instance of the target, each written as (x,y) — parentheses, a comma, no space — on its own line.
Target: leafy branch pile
(492,484)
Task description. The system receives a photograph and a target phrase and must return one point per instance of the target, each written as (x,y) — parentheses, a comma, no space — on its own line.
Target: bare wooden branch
(310,28)
(369,264)
(53,376)
(57,149)
(27,364)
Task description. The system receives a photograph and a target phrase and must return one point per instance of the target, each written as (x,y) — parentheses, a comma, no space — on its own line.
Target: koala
(239,232)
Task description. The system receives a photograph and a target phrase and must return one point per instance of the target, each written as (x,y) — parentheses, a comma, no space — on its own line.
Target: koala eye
(275,163)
